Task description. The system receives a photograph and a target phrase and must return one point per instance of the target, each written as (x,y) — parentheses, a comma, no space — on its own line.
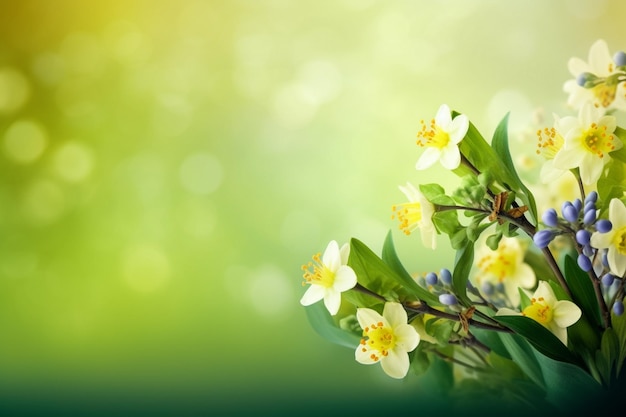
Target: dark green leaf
(567,385)
(524,356)
(619,325)
(462,268)
(500,143)
(610,348)
(323,323)
(583,293)
(538,336)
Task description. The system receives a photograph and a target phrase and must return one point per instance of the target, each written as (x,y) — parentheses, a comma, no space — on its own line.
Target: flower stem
(422,307)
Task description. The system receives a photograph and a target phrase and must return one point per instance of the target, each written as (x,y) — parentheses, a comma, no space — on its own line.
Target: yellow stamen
(317,273)
(432,135)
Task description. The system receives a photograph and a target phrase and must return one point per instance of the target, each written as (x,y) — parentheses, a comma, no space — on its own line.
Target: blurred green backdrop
(167,166)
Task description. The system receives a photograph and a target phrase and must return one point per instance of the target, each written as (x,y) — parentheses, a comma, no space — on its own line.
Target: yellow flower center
(619,240)
(597,140)
(539,311)
(409,215)
(549,142)
(604,94)
(378,338)
(501,263)
(317,273)
(432,135)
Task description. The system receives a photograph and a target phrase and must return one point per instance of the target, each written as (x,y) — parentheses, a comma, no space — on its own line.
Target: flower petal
(507,312)
(458,128)
(367,316)
(559,332)
(443,117)
(601,240)
(450,157)
(428,158)
(545,291)
(617,261)
(332,301)
(395,314)
(396,363)
(331,258)
(407,337)
(345,279)
(363,355)
(565,313)
(312,295)
(344,253)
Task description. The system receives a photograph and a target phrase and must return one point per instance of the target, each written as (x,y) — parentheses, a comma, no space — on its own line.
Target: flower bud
(607,279)
(543,237)
(487,288)
(583,237)
(604,226)
(592,197)
(448,299)
(589,217)
(584,263)
(619,58)
(587,80)
(618,308)
(570,213)
(445,276)
(431,278)
(550,218)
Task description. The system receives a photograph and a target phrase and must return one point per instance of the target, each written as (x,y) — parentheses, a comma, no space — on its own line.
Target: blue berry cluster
(579,219)
(441,286)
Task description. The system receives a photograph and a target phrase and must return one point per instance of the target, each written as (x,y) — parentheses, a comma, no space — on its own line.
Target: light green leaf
(462,267)
(375,275)
(524,356)
(323,323)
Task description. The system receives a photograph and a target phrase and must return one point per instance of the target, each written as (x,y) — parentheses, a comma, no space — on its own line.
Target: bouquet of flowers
(532,304)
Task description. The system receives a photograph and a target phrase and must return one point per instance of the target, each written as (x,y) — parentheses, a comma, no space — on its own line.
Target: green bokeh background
(166,167)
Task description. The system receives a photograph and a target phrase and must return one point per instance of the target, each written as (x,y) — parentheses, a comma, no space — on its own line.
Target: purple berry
(607,279)
(487,288)
(445,276)
(584,263)
(570,213)
(618,308)
(592,197)
(604,226)
(619,58)
(583,236)
(448,299)
(543,237)
(578,204)
(550,218)
(589,217)
(431,278)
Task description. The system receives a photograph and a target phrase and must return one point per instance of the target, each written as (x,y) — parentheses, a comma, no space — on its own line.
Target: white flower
(328,277)
(602,96)
(615,239)
(550,141)
(441,139)
(588,140)
(386,339)
(504,267)
(416,214)
(555,315)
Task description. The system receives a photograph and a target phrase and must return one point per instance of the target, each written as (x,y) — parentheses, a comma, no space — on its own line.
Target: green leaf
(524,356)
(582,290)
(323,323)
(538,336)
(375,275)
(567,385)
(500,143)
(462,268)
(609,346)
(619,325)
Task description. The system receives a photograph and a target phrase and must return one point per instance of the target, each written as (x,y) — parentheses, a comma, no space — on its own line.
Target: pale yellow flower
(441,139)
(416,214)
(386,339)
(555,315)
(615,239)
(328,276)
